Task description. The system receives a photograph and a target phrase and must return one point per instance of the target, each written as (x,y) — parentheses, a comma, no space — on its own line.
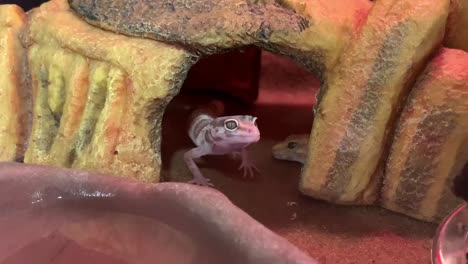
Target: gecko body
(293,148)
(214,134)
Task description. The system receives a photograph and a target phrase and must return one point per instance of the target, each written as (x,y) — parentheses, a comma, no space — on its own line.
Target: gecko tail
(214,108)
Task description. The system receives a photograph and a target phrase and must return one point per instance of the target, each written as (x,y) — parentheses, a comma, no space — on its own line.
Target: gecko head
(293,148)
(241,129)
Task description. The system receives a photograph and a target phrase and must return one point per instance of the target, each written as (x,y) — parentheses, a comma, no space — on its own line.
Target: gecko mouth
(249,138)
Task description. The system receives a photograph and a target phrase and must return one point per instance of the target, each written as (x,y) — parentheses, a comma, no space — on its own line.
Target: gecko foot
(248,168)
(201,182)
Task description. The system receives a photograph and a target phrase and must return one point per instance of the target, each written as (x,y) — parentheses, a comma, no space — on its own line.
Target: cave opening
(251,81)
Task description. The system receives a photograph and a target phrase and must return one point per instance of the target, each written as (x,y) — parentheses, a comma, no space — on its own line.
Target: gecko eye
(231,124)
(292,145)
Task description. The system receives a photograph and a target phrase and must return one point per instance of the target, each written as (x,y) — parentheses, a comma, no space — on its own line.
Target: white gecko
(214,134)
(293,148)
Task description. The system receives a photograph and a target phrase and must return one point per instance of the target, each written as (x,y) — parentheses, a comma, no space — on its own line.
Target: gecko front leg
(247,164)
(198,178)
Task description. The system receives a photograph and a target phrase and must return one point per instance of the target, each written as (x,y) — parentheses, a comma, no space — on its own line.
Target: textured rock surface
(333,25)
(98,97)
(431,142)
(61,214)
(360,99)
(203,27)
(315,38)
(13,96)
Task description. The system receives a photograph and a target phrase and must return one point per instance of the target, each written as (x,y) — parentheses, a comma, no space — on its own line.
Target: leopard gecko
(214,134)
(293,148)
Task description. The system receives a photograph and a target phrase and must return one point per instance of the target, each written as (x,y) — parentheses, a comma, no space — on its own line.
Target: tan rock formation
(98,97)
(13,97)
(362,96)
(430,146)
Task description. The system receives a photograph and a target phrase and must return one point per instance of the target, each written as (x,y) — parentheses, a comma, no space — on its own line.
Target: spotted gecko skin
(293,148)
(214,134)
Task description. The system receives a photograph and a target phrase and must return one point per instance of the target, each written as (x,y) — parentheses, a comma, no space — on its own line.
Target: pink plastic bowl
(52,215)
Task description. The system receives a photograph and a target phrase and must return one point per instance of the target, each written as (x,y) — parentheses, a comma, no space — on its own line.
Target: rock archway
(102,73)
